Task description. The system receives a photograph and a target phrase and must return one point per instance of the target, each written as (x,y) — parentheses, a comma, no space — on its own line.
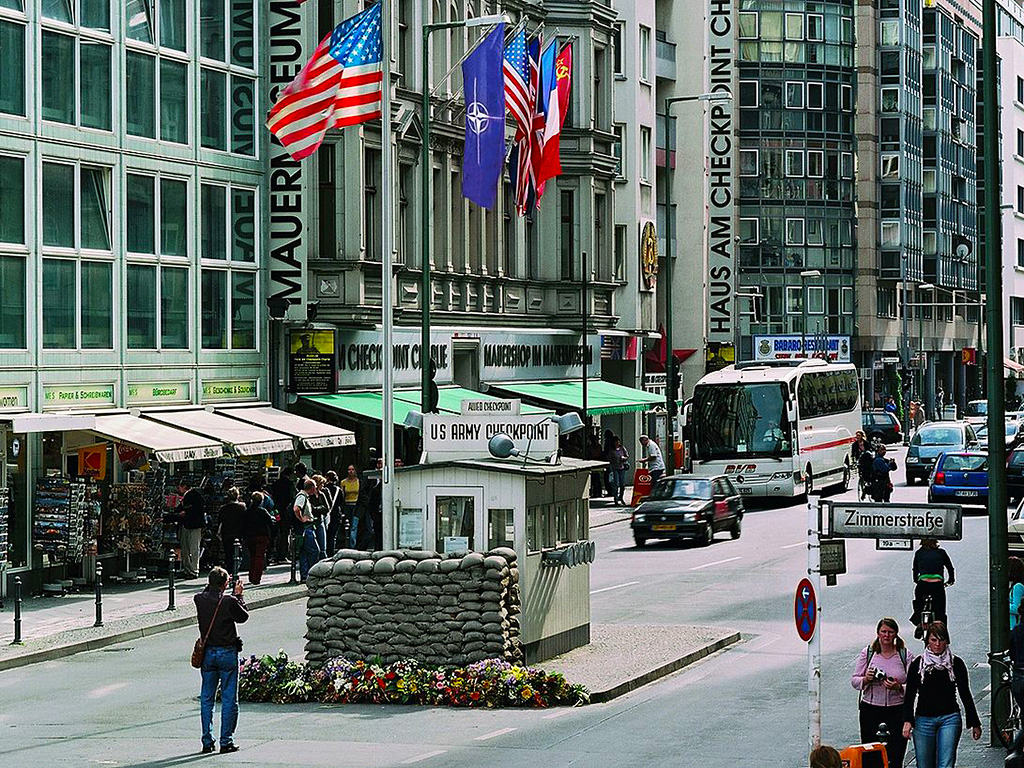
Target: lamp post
(803,307)
(425,210)
(999,620)
(671,398)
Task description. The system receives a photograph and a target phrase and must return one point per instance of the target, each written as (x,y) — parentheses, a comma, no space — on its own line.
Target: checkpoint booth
(463,498)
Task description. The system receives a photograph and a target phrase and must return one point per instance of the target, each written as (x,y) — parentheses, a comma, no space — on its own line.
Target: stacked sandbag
(409,604)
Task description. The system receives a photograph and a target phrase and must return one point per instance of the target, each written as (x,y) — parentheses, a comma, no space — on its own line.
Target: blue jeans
(352,513)
(309,550)
(321,537)
(220,665)
(936,740)
(618,483)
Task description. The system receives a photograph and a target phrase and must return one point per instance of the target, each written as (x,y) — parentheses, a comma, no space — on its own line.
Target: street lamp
(671,397)
(425,211)
(277,309)
(803,306)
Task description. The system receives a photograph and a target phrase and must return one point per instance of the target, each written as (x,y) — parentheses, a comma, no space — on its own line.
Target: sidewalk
(53,627)
(604,511)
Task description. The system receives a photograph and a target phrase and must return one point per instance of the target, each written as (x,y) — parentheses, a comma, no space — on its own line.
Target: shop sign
(241,389)
(159,392)
(361,355)
(465,436)
(511,407)
(92,461)
(129,456)
(13,397)
(969,356)
(537,357)
(717,356)
(649,255)
(287,48)
(654,382)
(311,361)
(791,346)
(720,152)
(77,395)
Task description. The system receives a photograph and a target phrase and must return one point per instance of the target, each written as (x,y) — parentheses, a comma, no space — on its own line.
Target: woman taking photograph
(881,677)
(930,710)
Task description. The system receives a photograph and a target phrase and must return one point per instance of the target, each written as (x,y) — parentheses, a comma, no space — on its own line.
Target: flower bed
(490,683)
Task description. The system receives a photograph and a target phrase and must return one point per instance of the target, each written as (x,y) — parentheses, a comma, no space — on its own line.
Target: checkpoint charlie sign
(895,521)
(465,436)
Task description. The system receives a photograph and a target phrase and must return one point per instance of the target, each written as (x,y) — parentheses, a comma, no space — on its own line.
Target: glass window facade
(140,93)
(140,192)
(59,305)
(141,282)
(214,309)
(174,293)
(12,193)
(12,67)
(97,305)
(13,309)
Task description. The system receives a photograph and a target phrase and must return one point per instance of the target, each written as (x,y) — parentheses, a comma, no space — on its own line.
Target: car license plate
(746,491)
(967,494)
(663,527)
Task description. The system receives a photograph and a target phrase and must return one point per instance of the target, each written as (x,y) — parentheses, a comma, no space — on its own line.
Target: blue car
(959,477)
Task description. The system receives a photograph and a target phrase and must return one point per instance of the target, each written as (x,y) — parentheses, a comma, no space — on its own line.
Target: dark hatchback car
(881,426)
(934,438)
(684,507)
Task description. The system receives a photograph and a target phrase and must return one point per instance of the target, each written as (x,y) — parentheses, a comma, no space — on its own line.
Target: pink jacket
(874,692)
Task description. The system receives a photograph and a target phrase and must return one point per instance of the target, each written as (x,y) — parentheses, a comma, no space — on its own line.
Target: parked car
(932,439)
(959,477)
(1015,474)
(1015,531)
(684,507)
(976,411)
(1014,432)
(881,426)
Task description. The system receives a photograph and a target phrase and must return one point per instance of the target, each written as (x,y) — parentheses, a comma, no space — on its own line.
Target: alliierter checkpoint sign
(894,521)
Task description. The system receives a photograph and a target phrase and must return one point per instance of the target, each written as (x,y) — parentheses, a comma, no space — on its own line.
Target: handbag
(199,649)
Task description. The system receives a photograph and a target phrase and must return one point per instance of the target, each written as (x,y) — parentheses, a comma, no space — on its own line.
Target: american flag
(521,158)
(340,85)
(517,74)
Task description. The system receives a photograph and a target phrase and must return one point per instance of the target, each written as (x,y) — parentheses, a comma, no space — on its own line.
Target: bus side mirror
(687,408)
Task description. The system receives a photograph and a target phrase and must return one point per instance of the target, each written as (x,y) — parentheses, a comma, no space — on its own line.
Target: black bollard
(170,581)
(99,595)
(17,612)
(883,737)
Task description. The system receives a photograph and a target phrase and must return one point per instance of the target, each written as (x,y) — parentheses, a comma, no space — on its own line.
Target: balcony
(665,60)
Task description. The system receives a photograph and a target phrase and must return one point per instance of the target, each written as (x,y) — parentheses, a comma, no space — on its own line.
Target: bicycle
(1003,701)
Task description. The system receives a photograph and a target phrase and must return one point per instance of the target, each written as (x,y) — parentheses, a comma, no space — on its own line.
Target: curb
(600,697)
(81,646)
(624,519)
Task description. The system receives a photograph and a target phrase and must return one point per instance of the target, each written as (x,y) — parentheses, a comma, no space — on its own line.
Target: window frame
(800,88)
(645,51)
(820,87)
(757,161)
(230,71)
(792,154)
(793,237)
(79,36)
(757,93)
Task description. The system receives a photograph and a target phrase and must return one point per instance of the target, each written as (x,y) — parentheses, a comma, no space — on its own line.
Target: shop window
(12,302)
(500,528)
(12,67)
(174,303)
(141,297)
(12,193)
(455,518)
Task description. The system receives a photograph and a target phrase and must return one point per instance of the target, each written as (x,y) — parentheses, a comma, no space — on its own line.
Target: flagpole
(387,311)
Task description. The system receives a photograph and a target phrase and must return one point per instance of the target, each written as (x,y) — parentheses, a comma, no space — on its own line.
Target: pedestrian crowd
(923,696)
(873,469)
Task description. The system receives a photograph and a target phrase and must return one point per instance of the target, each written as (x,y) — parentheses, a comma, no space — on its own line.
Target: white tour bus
(777,428)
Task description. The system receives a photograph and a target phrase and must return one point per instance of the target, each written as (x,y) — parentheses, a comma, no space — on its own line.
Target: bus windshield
(740,421)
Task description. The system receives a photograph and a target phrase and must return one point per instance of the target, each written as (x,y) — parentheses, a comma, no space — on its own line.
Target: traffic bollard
(170,581)
(99,595)
(17,612)
(883,738)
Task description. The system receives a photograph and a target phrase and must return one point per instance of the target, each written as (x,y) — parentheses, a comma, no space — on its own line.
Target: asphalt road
(135,705)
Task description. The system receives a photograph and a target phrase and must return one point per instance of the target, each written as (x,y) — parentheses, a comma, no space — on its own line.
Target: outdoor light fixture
(277,306)
(715,96)
(569,422)
(501,445)
(414,420)
(483,21)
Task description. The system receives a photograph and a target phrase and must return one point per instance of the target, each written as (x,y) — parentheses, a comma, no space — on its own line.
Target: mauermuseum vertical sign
(721,268)
(288,184)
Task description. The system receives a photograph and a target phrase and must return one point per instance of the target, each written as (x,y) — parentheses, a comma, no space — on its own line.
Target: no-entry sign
(805,610)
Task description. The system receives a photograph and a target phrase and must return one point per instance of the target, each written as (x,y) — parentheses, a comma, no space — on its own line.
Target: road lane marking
(561,713)
(97,693)
(717,562)
(424,756)
(617,586)
(495,734)
(798,544)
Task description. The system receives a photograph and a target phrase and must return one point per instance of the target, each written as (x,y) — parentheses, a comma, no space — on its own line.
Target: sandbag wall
(410,604)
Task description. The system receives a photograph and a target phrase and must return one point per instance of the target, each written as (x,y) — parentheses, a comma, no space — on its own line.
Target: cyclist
(881,486)
(865,458)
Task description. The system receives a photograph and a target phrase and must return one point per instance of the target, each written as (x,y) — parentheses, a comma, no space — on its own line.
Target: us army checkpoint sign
(894,521)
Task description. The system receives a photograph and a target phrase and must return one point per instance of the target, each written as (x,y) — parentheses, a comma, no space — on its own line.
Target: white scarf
(931,661)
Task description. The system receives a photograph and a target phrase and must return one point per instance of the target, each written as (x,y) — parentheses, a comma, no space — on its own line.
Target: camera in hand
(879,676)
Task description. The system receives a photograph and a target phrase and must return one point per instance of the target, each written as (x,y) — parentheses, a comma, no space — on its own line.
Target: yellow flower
(527,692)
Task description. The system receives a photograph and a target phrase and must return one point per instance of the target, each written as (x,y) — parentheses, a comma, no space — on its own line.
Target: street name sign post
(850,520)
(808,591)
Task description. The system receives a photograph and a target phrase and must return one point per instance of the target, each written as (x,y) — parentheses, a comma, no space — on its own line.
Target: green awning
(602,396)
(369,405)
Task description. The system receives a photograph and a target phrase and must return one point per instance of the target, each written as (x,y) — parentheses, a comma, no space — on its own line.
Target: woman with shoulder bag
(881,676)
(934,680)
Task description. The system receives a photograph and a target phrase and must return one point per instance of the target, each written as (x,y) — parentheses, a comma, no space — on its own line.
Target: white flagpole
(387,236)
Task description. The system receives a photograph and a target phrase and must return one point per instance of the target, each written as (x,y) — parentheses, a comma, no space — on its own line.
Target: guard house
(541,510)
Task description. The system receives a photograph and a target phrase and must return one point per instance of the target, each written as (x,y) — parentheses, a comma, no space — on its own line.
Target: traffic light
(672,385)
(432,394)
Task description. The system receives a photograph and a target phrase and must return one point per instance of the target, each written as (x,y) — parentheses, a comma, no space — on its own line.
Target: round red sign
(805,610)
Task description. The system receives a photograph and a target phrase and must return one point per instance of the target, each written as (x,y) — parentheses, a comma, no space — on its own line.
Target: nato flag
(484,89)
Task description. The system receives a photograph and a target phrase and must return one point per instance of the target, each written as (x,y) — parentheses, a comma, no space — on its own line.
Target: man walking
(309,547)
(652,458)
(218,613)
(192,514)
(332,495)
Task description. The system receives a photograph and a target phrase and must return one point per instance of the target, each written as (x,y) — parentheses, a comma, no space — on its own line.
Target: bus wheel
(844,486)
